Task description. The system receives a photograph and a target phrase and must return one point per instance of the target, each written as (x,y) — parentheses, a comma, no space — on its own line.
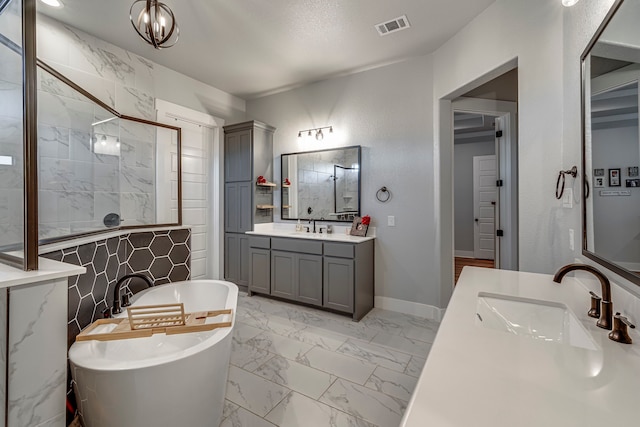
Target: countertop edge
(48,270)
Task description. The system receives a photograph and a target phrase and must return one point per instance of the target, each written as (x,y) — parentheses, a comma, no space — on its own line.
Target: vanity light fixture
(318,131)
(53,3)
(569,3)
(155,23)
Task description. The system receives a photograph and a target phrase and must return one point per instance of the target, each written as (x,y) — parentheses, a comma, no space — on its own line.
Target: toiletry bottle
(298,226)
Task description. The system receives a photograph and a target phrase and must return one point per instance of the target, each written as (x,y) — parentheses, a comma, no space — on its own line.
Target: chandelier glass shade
(155,23)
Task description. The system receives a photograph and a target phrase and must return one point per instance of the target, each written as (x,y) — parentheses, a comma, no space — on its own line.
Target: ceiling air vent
(401,23)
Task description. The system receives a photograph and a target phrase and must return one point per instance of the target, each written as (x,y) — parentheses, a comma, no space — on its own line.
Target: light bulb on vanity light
(319,135)
(569,3)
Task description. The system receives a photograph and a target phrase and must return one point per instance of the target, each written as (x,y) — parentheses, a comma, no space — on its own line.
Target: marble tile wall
(165,256)
(11,215)
(88,171)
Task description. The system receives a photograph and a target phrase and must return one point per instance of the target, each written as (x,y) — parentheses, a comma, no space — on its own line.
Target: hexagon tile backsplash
(165,256)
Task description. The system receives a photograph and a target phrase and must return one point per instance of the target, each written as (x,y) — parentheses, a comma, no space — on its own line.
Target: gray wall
(463,190)
(388,111)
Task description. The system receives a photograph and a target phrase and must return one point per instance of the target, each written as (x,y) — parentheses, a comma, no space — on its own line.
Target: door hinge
(499,134)
(500,233)
(499,183)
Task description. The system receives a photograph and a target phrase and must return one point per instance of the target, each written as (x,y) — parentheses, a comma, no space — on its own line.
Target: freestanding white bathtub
(163,380)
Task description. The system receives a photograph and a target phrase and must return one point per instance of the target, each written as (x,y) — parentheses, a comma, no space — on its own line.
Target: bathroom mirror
(611,143)
(321,185)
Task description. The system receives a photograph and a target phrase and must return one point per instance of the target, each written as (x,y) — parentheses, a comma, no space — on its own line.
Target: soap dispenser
(298,225)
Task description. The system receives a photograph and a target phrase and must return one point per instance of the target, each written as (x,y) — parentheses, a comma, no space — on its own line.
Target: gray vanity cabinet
(296,270)
(236,265)
(260,264)
(338,284)
(248,154)
(309,278)
(336,276)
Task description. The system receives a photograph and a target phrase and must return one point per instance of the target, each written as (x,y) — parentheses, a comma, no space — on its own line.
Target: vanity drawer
(341,250)
(297,245)
(259,242)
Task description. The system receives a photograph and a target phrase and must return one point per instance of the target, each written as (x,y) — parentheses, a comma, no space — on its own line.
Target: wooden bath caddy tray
(146,320)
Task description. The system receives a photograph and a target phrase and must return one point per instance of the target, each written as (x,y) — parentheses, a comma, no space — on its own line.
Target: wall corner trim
(408,307)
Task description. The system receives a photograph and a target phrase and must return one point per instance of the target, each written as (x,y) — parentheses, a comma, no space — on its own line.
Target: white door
(485,206)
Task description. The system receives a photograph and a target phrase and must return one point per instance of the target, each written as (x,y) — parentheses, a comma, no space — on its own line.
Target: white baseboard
(465,254)
(408,307)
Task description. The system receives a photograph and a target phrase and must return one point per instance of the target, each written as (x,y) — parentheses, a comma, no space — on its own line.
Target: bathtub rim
(81,357)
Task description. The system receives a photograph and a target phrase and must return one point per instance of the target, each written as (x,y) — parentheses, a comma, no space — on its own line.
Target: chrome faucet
(606,317)
(117,305)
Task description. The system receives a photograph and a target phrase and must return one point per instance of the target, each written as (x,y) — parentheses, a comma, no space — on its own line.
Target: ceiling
(251,48)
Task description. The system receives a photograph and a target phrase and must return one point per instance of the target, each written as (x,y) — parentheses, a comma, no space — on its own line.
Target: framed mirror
(611,142)
(321,185)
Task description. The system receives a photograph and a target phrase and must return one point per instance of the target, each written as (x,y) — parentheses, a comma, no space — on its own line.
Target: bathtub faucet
(117,304)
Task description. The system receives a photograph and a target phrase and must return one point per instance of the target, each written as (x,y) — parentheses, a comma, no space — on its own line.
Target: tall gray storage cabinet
(248,154)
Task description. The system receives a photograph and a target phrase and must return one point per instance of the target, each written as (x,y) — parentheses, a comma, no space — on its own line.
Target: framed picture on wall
(598,181)
(633,183)
(632,171)
(614,177)
(358,227)
(598,172)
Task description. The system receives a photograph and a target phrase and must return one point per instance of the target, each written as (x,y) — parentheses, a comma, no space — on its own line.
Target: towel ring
(561,178)
(383,195)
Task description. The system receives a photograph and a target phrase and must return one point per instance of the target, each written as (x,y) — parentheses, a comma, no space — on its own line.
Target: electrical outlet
(571,239)
(391,221)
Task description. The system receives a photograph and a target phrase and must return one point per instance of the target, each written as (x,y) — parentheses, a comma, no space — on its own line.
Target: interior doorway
(485,164)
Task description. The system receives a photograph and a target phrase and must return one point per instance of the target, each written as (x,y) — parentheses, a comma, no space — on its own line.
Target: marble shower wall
(11,166)
(82,186)
(91,163)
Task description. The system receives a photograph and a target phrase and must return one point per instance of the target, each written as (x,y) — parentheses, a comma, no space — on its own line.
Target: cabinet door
(231,203)
(260,270)
(309,278)
(231,257)
(238,207)
(243,260)
(338,284)
(245,207)
(237,156)
(282,274)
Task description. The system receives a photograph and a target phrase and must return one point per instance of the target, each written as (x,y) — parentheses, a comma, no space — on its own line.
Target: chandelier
(155,23)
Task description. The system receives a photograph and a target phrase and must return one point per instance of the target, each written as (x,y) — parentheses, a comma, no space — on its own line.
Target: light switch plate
(567,199)
(391,221)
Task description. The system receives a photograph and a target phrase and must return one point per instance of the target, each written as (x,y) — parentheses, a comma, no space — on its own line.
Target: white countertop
(273,229)
(475,376)
(47,270)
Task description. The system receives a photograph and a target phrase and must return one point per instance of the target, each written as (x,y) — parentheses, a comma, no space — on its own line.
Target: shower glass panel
(11,130)
(99,170)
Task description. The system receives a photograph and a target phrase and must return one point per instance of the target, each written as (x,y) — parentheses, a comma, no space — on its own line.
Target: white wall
(617,231)
(387,111)
(463,190)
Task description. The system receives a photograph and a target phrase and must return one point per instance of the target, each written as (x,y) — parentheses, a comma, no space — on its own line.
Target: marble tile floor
(296,366)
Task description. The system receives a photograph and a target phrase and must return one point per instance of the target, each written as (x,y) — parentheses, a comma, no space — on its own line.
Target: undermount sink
(537,319)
